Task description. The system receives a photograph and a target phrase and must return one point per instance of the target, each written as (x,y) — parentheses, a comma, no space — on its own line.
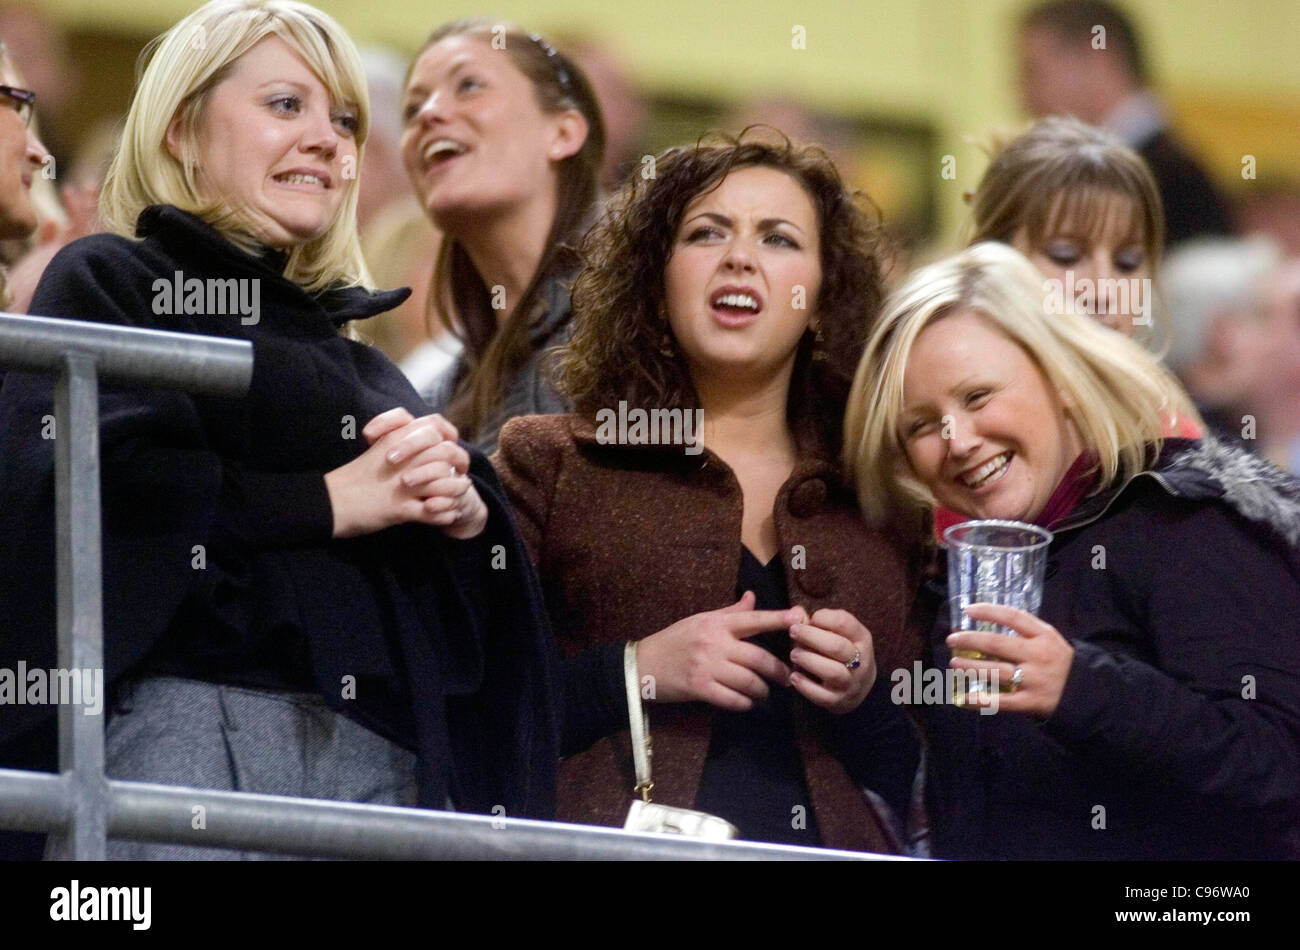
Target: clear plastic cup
(994,562)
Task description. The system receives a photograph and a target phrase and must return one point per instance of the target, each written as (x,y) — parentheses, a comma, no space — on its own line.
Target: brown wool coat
(630,539)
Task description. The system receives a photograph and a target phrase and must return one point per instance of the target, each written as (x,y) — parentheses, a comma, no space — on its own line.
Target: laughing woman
(297,591)
(736,286)
(1155,703)
(503,143)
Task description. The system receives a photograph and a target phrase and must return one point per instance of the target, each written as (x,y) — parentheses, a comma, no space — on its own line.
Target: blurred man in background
(1083,58)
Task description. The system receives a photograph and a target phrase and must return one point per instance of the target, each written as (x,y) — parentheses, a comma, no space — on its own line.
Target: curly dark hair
(616,350)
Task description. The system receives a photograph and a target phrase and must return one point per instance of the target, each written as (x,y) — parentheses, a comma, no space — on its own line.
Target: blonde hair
(1065,172)
(178,71)
(1119,398)
(1062,158)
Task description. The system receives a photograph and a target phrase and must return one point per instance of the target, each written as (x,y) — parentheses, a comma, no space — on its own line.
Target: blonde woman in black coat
(1154,702)
(299,590)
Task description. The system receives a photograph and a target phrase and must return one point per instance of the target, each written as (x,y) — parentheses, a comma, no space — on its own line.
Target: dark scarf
(1075,485)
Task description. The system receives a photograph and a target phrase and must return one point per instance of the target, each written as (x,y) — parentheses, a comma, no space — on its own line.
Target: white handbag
(645,815)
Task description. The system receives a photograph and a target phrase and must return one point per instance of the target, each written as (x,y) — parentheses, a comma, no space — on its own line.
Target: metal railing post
(80,604)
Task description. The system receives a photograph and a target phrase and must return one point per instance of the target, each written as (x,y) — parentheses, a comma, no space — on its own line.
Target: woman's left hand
(455,507)
(825,651)
(1041,654)
(438,475)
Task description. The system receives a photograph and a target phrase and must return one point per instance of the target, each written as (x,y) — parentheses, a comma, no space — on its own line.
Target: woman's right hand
(705,656)
(370,493)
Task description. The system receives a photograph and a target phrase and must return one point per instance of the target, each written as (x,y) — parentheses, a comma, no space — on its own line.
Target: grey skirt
(174,731)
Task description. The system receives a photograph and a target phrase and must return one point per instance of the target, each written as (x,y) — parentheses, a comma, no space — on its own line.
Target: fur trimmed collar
(1253,487)
(1209,470)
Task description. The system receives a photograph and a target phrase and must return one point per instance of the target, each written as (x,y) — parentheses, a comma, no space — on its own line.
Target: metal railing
(81,807)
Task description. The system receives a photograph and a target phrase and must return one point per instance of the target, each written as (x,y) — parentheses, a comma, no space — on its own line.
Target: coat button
(808,498)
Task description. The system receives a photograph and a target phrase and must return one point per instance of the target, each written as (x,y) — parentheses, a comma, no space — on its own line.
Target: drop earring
(666,340)
(819,342)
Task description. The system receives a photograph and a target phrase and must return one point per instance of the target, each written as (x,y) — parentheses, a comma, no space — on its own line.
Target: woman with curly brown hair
(692,506)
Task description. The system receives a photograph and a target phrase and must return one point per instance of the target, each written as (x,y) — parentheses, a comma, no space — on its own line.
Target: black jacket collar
(189,236)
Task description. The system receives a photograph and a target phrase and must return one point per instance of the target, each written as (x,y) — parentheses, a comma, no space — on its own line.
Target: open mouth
(440,151)
(988,473)
(736,303)
(311,179)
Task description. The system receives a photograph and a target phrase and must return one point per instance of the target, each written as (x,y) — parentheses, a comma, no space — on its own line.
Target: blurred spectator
(1083,58)
(1213,290)
(1275,401)
(797,122)
(397,238)
(39,51)
(1273,209)
(621,104)
(383,180)
(67,211)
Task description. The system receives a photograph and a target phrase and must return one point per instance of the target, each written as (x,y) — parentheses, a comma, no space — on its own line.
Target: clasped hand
(414,470)
(707,657)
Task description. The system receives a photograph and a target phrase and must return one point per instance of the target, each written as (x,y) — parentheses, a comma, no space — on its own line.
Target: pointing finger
(746,602)
(747,623)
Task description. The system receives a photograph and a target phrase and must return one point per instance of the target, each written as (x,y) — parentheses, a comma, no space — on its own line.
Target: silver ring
(1017,677)
(854,663)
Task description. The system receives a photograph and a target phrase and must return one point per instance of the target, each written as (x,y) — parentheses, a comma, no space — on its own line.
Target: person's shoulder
(1210,471)
(1203,486)
(95,251)
(94,276)
(541,432)
(535,450)
(534,438)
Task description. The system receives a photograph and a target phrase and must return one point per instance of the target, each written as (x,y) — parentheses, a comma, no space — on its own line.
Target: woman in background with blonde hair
(297,593)
(1154,702)
(1085,210)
